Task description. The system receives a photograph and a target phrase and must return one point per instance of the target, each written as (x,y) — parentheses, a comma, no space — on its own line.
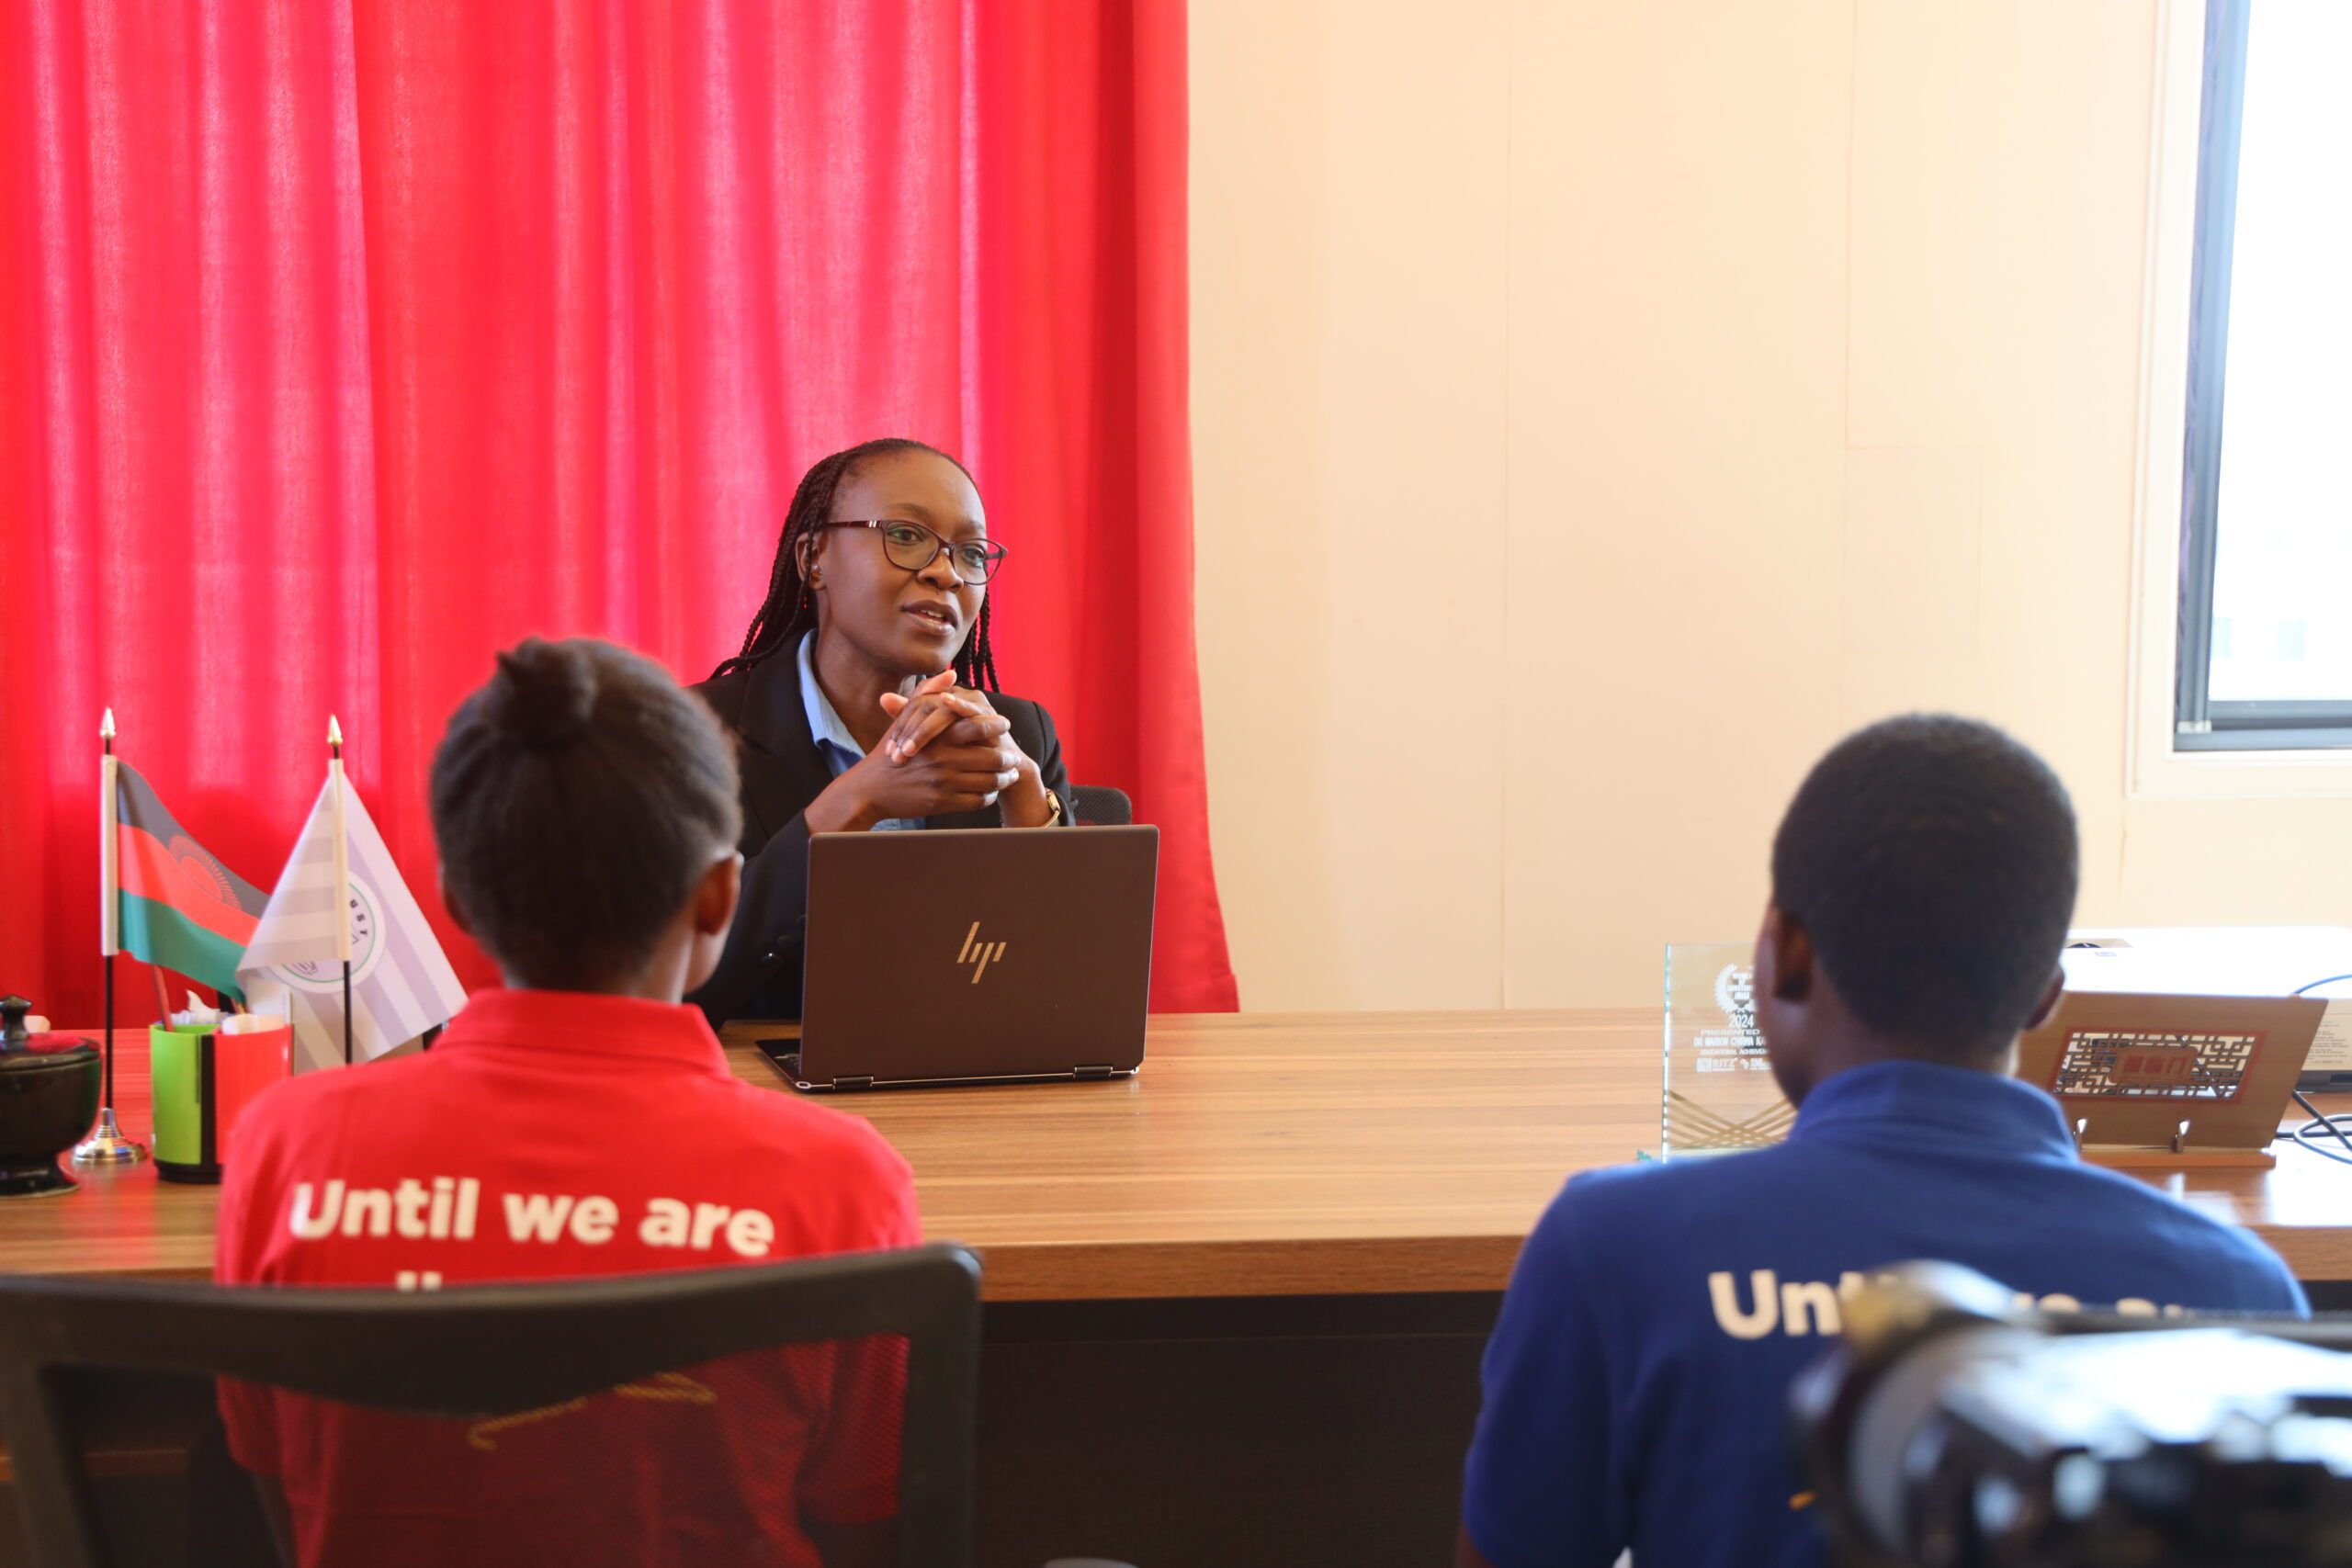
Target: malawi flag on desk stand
(177,906)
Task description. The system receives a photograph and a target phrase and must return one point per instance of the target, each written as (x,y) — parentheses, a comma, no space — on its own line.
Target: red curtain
(342,341)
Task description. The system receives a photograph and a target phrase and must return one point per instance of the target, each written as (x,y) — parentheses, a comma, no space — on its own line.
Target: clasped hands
(946,750)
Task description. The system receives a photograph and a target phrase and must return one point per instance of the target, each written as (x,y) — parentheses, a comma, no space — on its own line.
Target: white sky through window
(2282,583)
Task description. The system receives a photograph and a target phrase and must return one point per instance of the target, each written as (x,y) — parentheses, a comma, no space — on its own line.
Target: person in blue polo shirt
(1636,1384)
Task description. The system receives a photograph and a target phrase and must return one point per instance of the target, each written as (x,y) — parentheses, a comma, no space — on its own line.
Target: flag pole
(106,1144)
(109,875)
(341,876)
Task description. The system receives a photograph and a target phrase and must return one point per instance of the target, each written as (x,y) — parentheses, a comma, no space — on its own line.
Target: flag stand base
(107,1145)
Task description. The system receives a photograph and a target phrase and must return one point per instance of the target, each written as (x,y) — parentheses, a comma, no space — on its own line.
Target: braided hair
(790,610)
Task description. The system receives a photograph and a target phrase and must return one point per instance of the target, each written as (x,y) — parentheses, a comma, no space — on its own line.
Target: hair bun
(544,694)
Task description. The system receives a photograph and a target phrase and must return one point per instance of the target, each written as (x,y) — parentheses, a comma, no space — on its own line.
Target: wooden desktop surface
(1255,1156)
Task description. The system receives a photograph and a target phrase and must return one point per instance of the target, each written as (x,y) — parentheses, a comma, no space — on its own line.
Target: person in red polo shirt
(579,1122)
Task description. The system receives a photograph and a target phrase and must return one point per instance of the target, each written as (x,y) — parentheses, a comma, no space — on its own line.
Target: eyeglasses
(911,546)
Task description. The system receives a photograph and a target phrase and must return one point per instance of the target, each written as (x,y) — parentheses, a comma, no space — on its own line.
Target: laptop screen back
(977,953)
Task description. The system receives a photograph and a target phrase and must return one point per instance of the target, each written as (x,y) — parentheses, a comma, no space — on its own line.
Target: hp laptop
(965,956)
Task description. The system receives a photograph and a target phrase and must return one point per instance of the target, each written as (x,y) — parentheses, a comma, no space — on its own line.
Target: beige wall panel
(1930,92)
(1348,258)
(2245,862)
(1599,408)
(1914,588)
(1677,402)
(2001,159)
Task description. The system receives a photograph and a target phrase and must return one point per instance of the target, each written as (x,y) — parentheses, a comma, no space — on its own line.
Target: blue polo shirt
(1636,1385)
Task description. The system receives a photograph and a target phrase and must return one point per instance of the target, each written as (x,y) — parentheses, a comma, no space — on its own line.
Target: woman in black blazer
(865,697)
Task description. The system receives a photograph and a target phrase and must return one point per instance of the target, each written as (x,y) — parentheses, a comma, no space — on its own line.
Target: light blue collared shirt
(834,742)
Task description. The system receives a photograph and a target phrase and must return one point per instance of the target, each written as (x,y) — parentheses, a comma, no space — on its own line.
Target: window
(2266,578)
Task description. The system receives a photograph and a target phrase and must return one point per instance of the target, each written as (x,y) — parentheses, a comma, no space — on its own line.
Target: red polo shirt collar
(566,1022)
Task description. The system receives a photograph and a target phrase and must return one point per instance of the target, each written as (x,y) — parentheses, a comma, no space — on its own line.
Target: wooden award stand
(2154,1082)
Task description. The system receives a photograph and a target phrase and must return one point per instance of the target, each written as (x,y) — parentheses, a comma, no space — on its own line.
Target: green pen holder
(204,1079)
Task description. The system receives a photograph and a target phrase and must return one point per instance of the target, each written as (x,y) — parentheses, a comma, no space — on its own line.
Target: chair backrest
(502,1359)
(1098,805)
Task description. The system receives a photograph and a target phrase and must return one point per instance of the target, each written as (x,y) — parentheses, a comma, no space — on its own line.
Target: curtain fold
(346,341)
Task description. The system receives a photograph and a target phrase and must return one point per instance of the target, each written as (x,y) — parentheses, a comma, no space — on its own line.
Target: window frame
(2200,722)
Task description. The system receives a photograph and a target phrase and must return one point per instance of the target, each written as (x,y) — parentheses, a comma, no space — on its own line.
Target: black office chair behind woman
(1098,805)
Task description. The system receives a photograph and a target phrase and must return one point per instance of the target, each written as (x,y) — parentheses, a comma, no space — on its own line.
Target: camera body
(1951,1430)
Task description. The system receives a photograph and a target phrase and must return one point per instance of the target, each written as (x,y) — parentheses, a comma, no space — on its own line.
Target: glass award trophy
(1720,1095)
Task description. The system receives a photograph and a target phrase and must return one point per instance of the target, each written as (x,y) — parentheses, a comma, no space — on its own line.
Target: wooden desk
(1235,1306)
(1256,1156)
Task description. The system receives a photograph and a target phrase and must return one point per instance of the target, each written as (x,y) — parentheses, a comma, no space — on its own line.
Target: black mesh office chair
(1098,805)
(581,1421)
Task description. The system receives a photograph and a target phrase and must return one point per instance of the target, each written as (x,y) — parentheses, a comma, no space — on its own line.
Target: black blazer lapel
(782,768)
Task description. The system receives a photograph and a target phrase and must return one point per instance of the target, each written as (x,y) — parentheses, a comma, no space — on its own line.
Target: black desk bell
(49,1097)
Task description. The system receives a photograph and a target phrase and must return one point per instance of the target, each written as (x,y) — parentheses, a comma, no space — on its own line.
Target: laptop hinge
(854,1080)
(1090,1070)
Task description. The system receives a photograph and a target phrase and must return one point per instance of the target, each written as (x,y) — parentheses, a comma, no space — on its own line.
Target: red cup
(248,1064)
